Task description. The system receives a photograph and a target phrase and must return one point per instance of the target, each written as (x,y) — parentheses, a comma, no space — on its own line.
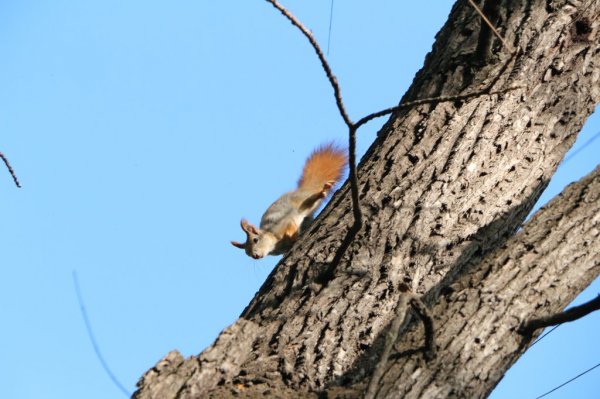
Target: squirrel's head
(258,243)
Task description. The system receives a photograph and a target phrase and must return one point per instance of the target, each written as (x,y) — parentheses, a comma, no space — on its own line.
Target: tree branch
(440,99)
(324,63)
(10,169)
(480,308)
(572,314)
(484,43)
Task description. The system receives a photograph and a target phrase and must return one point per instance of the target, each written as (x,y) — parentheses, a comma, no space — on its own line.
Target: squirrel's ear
(249,228)
(238,244)
(253,229)
(245,225)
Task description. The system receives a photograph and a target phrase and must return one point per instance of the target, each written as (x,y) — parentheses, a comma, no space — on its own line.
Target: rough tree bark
(443,188)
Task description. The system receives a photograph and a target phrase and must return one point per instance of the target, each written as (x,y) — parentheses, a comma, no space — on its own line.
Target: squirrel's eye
(255,240)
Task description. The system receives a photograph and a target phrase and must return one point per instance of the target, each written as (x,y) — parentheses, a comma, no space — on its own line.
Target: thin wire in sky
(545,334)
(90,332)
(330,23)
(567,382)
(583,146)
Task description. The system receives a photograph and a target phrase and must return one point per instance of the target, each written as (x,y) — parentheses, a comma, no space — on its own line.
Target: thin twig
(459,97)
(10,170)
(572,314)
(90,332)
(353,177)
(483,51)
(327,275)
(492,27)
(324,64)
(432,100)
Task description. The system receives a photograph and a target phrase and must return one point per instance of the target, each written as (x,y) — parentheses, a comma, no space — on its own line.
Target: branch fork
(325,277)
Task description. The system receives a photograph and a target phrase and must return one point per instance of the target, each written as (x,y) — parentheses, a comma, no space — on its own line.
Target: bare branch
(326,276)
(353,177)
(10,170)
(324,64)
(572,314)
(432,100)
(492,4)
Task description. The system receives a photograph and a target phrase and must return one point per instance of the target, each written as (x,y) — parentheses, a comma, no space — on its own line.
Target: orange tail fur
(325,165)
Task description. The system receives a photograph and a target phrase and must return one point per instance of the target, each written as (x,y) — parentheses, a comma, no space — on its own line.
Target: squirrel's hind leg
(291,232)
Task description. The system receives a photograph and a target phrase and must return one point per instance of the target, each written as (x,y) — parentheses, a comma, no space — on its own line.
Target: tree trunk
(442,189)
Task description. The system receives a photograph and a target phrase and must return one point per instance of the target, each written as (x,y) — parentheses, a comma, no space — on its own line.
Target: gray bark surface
(442,188)
(541,269)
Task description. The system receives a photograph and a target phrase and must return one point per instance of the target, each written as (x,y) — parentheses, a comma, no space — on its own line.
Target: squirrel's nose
(255,256)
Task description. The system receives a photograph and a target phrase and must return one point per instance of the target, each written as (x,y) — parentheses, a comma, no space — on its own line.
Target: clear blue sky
(142,131)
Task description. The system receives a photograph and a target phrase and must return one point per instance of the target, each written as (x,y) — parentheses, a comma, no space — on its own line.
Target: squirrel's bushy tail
(325,164)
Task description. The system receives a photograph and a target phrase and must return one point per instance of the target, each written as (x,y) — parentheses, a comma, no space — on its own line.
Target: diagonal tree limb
(487,301)
(477,167)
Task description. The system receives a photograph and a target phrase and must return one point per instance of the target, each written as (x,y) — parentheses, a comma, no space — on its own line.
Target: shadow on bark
(486,240)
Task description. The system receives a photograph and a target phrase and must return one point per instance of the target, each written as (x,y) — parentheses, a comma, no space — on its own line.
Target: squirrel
(291,213)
